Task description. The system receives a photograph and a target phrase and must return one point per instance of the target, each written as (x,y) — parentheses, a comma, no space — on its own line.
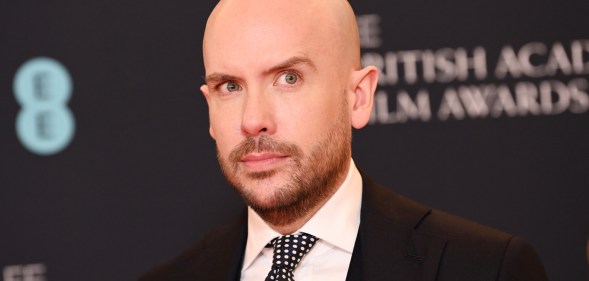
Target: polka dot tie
(288,252)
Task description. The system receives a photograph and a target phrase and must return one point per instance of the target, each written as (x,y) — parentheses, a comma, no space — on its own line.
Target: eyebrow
(289,63)
(219,77)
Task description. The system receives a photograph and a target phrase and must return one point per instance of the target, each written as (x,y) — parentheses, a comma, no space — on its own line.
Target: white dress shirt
(335,224)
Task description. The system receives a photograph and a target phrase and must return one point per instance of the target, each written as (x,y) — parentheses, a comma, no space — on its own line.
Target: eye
(229,87)
(288,78)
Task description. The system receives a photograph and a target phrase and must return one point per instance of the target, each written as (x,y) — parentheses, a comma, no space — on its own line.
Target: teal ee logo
(42,87)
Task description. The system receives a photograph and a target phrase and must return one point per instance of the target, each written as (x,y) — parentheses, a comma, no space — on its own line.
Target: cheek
(323,106)
(225,128)
(308,119)
(225,142)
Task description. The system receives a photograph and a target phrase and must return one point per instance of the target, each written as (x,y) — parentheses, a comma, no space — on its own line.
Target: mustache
(264,144)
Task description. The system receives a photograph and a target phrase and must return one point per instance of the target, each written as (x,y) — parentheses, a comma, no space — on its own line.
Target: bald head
(250,42)
(328,26)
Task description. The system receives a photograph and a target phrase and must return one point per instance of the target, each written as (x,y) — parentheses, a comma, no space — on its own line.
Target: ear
(364,82)
(205,91)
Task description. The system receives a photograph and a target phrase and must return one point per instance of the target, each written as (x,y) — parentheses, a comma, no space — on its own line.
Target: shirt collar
(341,212)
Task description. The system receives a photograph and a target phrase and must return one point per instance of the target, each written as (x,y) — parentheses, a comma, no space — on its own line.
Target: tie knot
(288,252)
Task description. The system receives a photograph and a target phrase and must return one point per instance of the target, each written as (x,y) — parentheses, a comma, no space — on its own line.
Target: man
(284,87)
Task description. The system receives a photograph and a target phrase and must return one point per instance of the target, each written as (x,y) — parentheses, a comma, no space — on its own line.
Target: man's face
(278,111)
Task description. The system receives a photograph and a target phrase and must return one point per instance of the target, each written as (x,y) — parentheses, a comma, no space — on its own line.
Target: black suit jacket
(398,240)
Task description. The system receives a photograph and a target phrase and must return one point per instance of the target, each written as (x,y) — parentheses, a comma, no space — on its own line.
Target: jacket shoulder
(218,252)
(474,249)
(463,249)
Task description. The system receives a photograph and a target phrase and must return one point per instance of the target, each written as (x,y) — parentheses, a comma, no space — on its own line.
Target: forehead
(250,37)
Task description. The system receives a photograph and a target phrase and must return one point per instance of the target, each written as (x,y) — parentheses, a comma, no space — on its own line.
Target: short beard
(313,179)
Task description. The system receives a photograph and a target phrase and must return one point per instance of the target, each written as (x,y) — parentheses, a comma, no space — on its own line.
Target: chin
(265,191)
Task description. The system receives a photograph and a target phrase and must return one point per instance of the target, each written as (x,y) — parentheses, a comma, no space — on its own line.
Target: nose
(258,116)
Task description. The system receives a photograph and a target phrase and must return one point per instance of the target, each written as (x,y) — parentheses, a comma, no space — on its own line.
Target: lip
(256,162)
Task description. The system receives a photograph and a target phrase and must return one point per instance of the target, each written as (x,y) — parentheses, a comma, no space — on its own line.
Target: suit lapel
(235,251)
(355,268)
(235,255)
(389,243)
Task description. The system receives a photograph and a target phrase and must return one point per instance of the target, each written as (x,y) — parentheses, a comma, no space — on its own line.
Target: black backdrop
(481,112)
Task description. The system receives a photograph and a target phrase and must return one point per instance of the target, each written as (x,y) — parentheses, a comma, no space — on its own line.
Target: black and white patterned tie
(288,252)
